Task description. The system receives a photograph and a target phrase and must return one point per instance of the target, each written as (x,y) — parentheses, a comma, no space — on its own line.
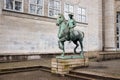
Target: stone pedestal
(63,66)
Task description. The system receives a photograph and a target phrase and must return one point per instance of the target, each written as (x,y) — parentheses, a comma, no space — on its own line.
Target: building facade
(28,26)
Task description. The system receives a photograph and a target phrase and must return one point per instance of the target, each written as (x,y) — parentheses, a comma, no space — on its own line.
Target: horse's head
(60,19)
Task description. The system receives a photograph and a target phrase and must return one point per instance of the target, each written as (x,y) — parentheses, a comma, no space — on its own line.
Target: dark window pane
(9,4)
(39,10)
(51,12)
(56,12)
(54,8)
(117,45)
(40,2)
(32,8)
(18,6)
(117,31)
(51,4)
(117,38)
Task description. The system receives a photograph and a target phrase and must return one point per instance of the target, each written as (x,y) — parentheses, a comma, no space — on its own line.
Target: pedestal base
(63,66)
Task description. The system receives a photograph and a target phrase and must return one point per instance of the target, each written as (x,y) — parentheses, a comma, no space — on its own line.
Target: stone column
(100,25)
(1,7)
(109,25)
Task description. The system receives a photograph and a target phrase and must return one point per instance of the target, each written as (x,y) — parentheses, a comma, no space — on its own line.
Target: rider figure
(71,24)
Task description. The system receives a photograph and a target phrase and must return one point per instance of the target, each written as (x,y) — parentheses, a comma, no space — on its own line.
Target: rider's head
(70,15)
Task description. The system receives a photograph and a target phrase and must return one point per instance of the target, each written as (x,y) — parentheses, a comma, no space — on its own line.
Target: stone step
(93,76)
(108,56)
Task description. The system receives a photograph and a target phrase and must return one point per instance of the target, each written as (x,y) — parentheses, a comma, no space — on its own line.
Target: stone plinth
(63,66)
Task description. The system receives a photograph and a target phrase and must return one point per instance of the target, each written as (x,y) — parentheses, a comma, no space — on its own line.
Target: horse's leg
(75,42)
(81,44)
(59,44)
(62,47)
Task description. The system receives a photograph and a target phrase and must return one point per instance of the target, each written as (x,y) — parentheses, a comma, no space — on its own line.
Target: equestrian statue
(67,33)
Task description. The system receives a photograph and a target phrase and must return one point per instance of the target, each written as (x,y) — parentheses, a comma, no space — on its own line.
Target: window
(16,5)
(54,8)
(81,14)
(68,9)
(36,7)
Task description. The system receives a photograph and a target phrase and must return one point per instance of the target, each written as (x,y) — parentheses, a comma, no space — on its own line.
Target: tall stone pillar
(109,25)
(100,25)
(1,6)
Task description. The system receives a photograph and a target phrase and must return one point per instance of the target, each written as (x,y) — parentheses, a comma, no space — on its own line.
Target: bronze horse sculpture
(76,35)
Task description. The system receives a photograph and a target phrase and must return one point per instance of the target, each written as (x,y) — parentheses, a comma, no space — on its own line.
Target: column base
(110,49)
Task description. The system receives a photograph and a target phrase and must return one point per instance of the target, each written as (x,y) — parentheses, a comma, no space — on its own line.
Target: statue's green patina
(67,33)
(71,24)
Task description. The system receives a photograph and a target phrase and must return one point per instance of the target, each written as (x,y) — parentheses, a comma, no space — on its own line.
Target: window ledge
(82,23)
(13,10)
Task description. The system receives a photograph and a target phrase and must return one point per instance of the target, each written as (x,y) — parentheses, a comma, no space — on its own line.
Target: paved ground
(34,75)
(111,67)
(41,62)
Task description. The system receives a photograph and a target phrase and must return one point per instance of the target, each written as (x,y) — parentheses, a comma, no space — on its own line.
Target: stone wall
(24,33)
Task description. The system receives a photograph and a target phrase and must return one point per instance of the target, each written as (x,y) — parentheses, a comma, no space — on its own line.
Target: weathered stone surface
(63,66)
(27,33)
